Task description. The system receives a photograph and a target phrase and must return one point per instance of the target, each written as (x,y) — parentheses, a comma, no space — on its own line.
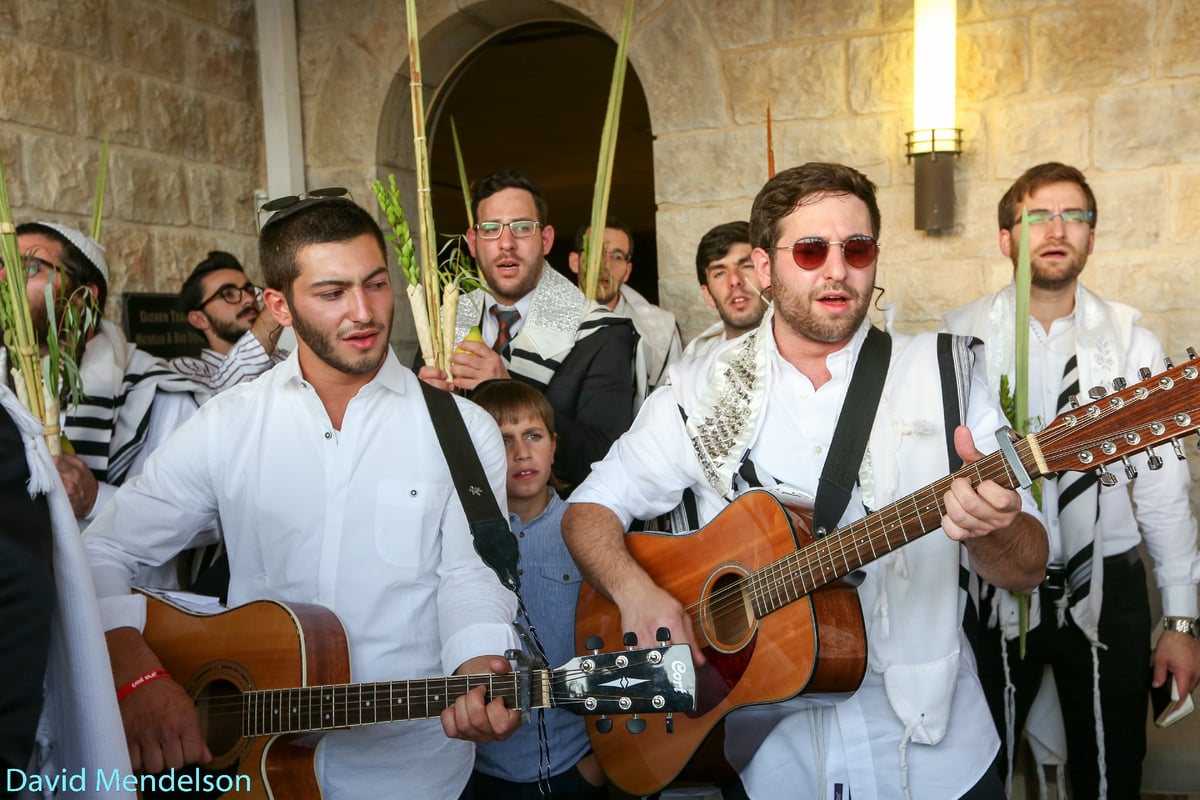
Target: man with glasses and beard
(222,303)
(331,488)
(539,328)
(763,412)
(1090,619)
(729,285)
(132,399)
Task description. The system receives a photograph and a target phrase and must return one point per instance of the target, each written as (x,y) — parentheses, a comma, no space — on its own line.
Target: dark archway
(533,97)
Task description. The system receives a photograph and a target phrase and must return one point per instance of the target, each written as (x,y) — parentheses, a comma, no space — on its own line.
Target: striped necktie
(505,319)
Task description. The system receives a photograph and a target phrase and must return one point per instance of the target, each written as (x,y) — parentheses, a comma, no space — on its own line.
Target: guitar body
(261,645)
(816,643)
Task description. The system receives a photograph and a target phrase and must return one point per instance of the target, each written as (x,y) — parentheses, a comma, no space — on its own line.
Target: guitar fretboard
(831,557)
(321,708)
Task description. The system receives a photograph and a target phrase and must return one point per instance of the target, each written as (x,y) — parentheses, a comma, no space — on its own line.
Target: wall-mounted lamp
(934,138)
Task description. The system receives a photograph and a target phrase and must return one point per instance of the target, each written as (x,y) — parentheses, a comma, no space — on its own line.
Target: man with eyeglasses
(763,413)
(659,342)
(539,328)
(1090,619)
(133,400)
(331,488)
(222,303)
(729,285)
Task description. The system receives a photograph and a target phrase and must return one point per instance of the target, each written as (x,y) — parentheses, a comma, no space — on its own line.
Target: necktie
(505,319)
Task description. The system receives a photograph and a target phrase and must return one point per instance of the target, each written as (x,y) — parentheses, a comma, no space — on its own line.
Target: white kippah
(92,250)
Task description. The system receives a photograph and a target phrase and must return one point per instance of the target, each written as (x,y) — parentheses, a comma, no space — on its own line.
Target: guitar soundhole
(220,708)
(727,614)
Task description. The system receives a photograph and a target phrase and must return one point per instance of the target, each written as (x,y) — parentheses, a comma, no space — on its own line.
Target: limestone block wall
(174,85)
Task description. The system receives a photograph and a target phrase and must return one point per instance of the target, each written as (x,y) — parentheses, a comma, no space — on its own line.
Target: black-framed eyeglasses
(519,228)
(233,294)
(282,207)
(33,265)
(811,252)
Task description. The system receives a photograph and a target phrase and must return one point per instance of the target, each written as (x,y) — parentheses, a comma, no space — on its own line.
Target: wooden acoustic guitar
(769,603)
(265,674)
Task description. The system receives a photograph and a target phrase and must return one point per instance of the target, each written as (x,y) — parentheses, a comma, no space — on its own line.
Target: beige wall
(175,87)
(1113,87)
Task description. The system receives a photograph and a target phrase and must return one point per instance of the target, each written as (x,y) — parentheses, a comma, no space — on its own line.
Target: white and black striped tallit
(109,426)
(559,316)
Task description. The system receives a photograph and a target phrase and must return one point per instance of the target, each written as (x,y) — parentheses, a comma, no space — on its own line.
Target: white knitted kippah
(91,249)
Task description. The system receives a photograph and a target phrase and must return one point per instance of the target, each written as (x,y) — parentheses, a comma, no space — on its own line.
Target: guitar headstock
(1160,408)
(646,681)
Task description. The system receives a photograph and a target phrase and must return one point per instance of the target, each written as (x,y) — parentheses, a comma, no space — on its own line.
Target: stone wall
(174,85)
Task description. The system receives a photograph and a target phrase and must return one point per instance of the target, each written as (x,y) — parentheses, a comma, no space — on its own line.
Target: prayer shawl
(109,426)
(658,330)
(559,315)
(80,728)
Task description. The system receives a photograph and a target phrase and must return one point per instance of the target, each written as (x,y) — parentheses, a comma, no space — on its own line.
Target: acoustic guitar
(266,674)
(769,602)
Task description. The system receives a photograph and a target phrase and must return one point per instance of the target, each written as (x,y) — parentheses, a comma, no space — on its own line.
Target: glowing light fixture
(934,137)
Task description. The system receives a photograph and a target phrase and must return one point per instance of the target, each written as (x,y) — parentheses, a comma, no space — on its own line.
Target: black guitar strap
(853,429)
(493,538)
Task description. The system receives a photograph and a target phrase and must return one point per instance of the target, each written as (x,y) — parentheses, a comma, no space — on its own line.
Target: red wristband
(140,680)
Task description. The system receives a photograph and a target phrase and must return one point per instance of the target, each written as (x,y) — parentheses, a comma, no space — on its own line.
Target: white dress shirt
(363,520)
(849,746)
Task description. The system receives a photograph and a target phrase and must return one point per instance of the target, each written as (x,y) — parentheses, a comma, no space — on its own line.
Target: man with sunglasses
(132,402)
(539,328)
(729,284)
(331,488)
(763,413)
(659,342)
(222,303)
(1090,619)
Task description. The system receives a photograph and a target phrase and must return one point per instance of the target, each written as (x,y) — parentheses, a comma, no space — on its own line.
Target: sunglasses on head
(811,252)
(284,206)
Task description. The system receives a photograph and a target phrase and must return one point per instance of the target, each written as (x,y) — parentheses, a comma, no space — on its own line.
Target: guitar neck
(831,557)
(322,708)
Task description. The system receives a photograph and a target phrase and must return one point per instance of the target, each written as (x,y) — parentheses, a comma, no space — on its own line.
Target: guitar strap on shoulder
(490,530)
(852,432)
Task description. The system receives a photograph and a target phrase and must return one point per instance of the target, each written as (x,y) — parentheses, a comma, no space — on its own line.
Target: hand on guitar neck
(1008,548)
(161,724)
(470,717)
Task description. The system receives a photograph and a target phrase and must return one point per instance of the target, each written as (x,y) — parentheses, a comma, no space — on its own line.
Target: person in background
(1090,618)
(659,342)
(509,770)
(221,302)
(729,284)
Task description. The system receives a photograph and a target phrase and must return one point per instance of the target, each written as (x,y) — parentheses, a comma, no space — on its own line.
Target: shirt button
(820,449)
(567,578)
(521,535)
(412,493)
(520,572)
(328,435)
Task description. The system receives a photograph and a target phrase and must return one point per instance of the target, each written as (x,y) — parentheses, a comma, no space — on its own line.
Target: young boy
(508,770)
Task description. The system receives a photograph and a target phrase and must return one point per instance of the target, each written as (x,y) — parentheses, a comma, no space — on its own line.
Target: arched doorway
(533,97)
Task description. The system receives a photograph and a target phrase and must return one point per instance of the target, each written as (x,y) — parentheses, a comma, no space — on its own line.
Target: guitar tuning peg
(635,725)
(1191,351)
(595,644)
(670,722)
(603,725)
(1097,392)
(1119,384)
(1168,362)
(1152,460)
(663,635)
(1073,400)
(630,639)
(1144,373)
(1130,469)
(1106,477)
(1177,446)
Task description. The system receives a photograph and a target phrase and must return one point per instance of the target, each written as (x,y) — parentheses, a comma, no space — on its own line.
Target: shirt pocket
(408,520)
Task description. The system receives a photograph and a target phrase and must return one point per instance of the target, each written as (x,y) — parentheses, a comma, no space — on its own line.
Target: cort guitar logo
(678,670)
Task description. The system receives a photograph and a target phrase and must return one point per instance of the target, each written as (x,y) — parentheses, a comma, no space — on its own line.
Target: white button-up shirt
(364,521)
